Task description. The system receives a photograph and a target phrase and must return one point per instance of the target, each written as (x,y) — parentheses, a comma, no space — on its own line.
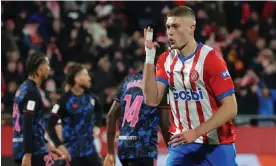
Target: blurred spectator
(103,9)
(7,100)
(266,100)
(107,38)
(10,73)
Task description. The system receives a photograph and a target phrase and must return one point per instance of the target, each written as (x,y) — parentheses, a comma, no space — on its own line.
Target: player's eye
(175,26)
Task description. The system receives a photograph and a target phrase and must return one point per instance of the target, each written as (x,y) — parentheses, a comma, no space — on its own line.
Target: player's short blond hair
(182,11)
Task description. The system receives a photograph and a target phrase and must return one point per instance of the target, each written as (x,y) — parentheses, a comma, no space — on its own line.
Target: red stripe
(172,85)
(226,133)
(193,85)
(186,101)
(30,112)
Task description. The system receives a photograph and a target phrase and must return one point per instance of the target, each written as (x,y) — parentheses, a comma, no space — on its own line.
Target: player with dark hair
(138,140)
(78,110)
(201,94)
(29,144)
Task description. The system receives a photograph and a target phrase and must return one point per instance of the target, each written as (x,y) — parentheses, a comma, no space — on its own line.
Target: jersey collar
(183,59)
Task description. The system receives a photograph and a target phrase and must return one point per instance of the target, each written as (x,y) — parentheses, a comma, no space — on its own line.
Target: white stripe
(178,83)
(206,105)
(173,109)
(194,118)
(168,64)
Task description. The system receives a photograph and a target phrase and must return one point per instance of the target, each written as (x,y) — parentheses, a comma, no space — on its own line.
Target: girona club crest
(194,76)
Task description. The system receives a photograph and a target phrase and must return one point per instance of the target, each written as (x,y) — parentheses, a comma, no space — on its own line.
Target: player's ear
(76,79)
(192,29)
(39,69)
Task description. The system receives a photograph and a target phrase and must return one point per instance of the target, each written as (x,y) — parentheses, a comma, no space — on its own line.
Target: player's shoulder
(125,81)
(165,54)
(211,55)
(137,76)
(93,98)
(130,78)
(91,95)
(210,51)
(207,49)
(30,88)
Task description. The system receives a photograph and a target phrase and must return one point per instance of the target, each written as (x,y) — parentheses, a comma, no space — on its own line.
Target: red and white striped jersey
(196,85)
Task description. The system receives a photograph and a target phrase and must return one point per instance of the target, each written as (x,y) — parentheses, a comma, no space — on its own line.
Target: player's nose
(169,32)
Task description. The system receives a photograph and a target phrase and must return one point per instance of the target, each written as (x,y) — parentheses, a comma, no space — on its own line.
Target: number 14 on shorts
(132,109)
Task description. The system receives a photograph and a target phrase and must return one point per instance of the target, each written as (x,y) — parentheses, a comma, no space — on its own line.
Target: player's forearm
(150,90)
(226,112)
(165,133)
(111,131)
(112,117)
(28,133)
(58,129)
(165,124)
(52,130)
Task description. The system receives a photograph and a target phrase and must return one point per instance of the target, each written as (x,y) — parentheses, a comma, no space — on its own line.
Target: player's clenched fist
(150,45)
(109,160)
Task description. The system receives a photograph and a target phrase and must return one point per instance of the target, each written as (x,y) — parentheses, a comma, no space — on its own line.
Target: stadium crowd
(106,37)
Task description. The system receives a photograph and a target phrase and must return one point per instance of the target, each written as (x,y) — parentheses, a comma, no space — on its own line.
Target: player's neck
(77,90)
(188,49)
(37,80)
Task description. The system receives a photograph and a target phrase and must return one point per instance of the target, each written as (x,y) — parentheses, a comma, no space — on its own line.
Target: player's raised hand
(184,137)
(109,160)
(150,45)
(148,37)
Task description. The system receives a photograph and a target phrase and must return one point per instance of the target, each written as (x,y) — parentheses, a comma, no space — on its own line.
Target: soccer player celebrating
(28,117)
(201,94)
(137,144)
(78,110)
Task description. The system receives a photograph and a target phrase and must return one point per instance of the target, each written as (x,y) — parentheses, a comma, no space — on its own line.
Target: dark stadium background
(107,38)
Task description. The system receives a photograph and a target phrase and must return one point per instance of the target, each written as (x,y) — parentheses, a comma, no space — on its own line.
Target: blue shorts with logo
(196,154)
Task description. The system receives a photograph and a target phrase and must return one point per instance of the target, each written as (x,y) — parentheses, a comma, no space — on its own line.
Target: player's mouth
(171,41)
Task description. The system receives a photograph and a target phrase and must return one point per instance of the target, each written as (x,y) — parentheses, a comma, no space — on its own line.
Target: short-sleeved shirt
(77,115)
(28,99)
(196,84)
(138,122)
